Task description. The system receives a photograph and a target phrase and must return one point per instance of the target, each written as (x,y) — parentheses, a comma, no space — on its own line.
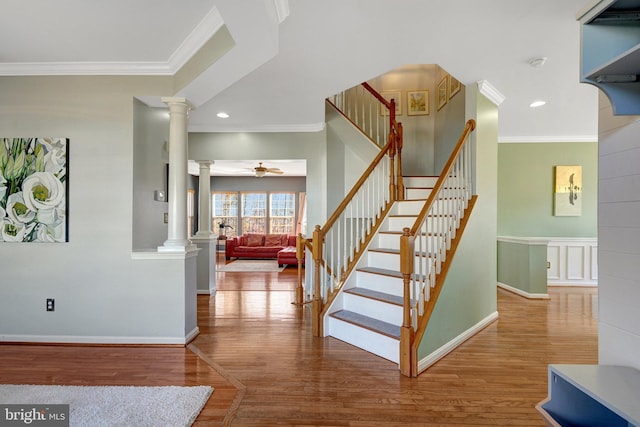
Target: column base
(177,247)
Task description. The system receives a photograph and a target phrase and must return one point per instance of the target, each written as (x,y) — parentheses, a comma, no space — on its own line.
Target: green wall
(525,189)
(468,297)
(522,265)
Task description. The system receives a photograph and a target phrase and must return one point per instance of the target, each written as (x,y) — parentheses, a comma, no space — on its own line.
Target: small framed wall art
(442,96)
(454,86)
(389,95)
(418,103)
(568,191)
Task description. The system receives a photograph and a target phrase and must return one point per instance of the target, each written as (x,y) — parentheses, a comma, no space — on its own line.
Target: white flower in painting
(55,158)
(51,233)
(42,190)
(12,232)
(17,211)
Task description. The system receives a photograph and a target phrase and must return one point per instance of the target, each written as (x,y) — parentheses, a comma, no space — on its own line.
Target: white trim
(309,127)
(546,139)
(176,255)
(575,284)
(72,339)
(490,91)
(282,9)
(206,292)
(206,28)
(531,241)
(454,343)
(521,292)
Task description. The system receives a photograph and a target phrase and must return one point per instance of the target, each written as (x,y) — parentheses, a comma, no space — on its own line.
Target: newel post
(407,256)
(391,140)
(316,304)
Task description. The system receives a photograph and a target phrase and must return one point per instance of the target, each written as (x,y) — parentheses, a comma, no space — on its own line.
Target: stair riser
(423,193)
(386,312)
(400,222)
(370,341)
(380,283)
(414,207)
(385,260)
(419,181)
(392,241)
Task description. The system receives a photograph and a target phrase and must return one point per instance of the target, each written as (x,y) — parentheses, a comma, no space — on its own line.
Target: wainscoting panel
(572,261)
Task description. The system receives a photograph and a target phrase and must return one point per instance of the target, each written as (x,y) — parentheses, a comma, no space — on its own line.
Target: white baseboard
(72,339)
(454,343)
(575,284)
(206,292)
(521,292)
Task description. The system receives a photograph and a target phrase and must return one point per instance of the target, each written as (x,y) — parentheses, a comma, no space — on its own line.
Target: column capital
(178,101)
(205,163)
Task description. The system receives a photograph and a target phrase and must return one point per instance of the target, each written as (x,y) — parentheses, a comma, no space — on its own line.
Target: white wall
(101,293)
(618,238)
(150,157)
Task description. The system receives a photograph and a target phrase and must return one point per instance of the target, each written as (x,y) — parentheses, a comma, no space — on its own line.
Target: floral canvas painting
(33,190)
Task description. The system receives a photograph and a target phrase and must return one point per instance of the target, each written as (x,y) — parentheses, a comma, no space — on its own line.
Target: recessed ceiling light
(222,115)
(537,62)
(535,104)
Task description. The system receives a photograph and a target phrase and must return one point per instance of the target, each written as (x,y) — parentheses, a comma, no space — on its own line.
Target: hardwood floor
(255,348)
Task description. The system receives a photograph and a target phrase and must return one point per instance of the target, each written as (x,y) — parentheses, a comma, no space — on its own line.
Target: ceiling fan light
(259,173)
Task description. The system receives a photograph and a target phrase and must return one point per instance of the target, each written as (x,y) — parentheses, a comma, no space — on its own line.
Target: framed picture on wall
(442,92)
(454,86)
(389,95)
(568,191)
(418,103)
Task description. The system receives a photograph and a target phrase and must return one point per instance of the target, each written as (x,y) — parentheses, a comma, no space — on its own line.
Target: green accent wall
(526,184)
(468,296)
(523,266)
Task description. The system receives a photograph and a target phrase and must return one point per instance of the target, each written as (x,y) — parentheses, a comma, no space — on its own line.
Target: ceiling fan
(261,170)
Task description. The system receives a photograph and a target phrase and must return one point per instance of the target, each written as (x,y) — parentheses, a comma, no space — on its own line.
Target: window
(254,212)
(282,213)
(225,211)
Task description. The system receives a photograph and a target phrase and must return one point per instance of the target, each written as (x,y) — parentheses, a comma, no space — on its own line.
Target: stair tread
(367,322)
(397,251)
(376,295)
(383,271)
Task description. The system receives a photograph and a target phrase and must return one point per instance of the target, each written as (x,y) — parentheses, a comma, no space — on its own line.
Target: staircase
(368,313)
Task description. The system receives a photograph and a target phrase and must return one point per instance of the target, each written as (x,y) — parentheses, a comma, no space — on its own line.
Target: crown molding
(488,90)
(206,28)
(310,127)
(546,139)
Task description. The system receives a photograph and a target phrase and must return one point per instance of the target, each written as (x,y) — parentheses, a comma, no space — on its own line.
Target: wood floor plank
(257,350)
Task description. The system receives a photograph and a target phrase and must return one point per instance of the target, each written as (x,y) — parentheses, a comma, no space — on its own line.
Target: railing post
(300,257)
(392,151)
(400,182)
(316,305)
(407,256)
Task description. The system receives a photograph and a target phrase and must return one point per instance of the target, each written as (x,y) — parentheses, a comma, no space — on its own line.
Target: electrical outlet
(548,264)
(51,304)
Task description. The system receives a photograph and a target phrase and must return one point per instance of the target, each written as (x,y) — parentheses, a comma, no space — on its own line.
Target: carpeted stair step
(375,325)
(376,295)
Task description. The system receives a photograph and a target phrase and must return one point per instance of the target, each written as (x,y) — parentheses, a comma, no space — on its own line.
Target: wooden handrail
(469,127)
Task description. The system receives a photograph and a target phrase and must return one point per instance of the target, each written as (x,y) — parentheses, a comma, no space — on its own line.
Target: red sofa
(260,246)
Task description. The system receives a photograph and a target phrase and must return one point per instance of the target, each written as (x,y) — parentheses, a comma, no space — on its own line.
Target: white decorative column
(204,200)
(204,238)
(177,240)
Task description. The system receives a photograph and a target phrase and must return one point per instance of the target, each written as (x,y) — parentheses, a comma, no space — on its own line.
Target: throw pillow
(273,240)
(254,239)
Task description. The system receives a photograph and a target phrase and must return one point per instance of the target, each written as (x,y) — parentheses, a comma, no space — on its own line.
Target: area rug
(250,265)
(115,405)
